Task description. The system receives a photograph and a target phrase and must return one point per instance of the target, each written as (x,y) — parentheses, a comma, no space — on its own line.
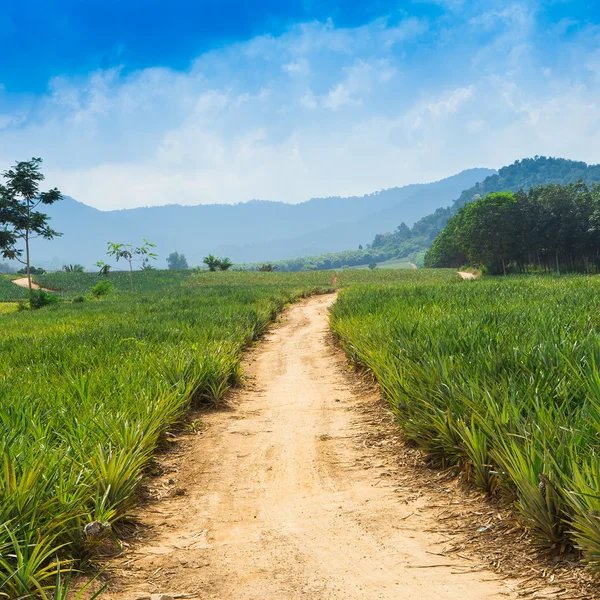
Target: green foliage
(523,174)
(108,379)
(177,262)
(73,269)
(499,378)
(211,261)
(214,263)
(225,264)
(266,267)
(104,268)
(131,254)
(549,227)
(20,196)
(33,270)
(102,288)
(41,298)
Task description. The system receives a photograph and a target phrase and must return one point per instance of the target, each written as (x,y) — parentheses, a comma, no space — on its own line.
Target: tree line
(547,228)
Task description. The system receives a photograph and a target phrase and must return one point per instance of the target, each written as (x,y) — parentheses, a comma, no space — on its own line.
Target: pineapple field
(496,379)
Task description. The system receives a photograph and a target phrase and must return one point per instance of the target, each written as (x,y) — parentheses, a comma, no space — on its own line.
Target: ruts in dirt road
(279,503)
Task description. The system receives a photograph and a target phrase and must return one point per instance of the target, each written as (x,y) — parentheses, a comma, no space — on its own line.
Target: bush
(78,299)
(102,288)
(40,298)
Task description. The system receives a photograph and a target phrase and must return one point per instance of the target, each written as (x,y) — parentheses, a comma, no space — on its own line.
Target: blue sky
(137,103)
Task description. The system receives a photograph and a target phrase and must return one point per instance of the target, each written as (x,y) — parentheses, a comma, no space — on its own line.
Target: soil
(24,282)
(280,495)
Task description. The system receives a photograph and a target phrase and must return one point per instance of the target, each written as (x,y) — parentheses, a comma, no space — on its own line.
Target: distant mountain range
(246,232)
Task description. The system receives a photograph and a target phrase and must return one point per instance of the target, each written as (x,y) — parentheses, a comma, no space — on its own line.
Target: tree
(104,268)
(177,262)
(130,254)
(73,269)
(225,264)
(372,266)
(212,262)
(20,221)
(266,267)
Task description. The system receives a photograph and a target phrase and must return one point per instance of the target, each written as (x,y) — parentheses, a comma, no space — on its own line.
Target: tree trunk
(27,249)
(503,267)
(131,276)
(557,264)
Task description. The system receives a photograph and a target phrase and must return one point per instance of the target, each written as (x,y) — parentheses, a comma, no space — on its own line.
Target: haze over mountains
(246,232)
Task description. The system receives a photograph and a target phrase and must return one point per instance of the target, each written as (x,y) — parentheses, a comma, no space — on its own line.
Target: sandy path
(24,282)
(283,502)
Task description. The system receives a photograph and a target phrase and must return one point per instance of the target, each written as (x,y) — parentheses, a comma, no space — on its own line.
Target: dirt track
(283,501)
(24,282)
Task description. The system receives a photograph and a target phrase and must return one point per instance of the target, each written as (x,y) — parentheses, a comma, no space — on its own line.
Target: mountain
(411,242)
(251,231)
(522,174)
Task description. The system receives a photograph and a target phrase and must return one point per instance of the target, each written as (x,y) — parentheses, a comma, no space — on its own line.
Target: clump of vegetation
(104,268)
(177,262)
(33,270)
(214,263)
(41,298)
(102,288)
(551,227)
(499,380)
(73,269)
(21,222)
(267,267)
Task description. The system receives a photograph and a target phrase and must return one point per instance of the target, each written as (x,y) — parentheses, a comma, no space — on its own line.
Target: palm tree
(225,264)
(73,268)
(266,267)
(212,262)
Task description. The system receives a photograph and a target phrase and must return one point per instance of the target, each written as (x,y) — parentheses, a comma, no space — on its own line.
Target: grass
(393,263)
(9,292)
(499,378)
(88,390)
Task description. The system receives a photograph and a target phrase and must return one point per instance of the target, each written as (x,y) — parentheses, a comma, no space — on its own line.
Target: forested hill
(522,174)
(412,242)
(250,231)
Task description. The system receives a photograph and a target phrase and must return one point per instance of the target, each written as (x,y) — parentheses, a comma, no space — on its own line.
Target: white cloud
(450,101)
(316,111)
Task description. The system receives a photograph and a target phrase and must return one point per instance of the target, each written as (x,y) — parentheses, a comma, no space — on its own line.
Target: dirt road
(24,282)
(283,501)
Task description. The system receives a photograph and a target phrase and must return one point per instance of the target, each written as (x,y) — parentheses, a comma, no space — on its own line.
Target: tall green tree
(20,220)
(177,262)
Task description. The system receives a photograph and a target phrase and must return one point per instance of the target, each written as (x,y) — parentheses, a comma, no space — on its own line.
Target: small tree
(372,266)
(19,219)
(104,268)
(225,264)
(268,267)
(177,262)
(130,254)
(212,262)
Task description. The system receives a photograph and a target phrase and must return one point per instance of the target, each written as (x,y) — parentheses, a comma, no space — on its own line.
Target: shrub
(102,288)
(40,298)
